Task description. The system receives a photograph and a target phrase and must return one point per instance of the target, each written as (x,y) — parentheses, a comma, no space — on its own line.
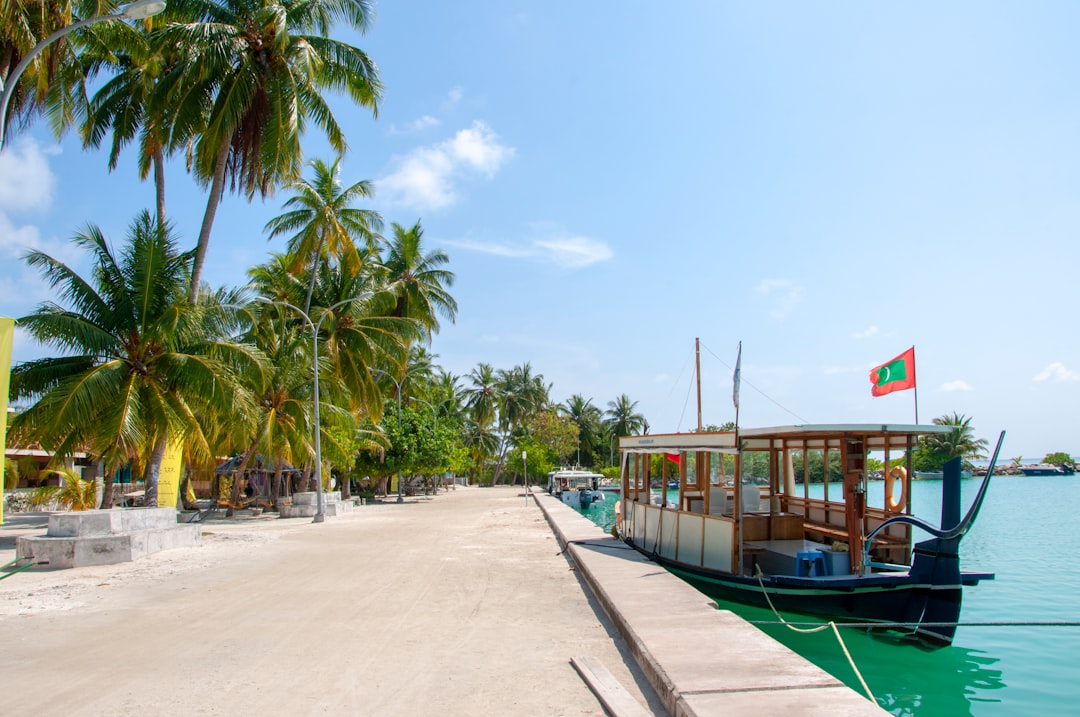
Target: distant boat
(1045,469)
(576,487)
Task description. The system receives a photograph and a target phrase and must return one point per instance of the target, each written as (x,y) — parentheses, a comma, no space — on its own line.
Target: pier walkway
(463,604)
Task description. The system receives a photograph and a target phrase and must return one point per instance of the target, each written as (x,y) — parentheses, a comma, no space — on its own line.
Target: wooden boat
(576,487)
(742,524)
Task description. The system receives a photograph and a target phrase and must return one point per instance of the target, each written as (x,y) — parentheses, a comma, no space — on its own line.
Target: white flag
(735,380)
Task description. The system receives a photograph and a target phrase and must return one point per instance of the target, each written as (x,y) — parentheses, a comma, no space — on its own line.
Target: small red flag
(895,375)
(673,457)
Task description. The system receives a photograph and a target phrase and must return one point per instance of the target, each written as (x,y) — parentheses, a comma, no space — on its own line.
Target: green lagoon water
(1026,534)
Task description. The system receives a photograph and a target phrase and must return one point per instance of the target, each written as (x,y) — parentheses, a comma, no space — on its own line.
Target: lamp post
(138,10)
(397,384)
(525,471)
(320,508)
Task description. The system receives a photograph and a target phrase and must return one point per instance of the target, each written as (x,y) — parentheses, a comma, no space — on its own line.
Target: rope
(914,625)
(818,628)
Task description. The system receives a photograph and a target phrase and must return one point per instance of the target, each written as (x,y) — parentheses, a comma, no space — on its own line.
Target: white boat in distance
(576,487)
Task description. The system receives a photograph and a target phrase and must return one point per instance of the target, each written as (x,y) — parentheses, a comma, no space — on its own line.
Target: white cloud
(1057,372)
(575,252)
(958,385)
(425,178)
(417,125)
(866,333)
(572,252)
(26,182)
(785,294)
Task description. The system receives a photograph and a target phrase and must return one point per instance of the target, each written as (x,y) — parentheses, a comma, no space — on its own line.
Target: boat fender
(895,501)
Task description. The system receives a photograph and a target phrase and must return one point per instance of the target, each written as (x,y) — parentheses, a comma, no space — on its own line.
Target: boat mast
(697,375)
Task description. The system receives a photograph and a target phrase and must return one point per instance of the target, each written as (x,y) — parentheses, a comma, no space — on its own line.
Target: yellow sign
(7,333)
(172,468)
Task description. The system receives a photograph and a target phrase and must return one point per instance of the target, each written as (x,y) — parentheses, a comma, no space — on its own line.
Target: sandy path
(454,606)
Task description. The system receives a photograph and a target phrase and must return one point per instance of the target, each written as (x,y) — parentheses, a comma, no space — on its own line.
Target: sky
(827,183)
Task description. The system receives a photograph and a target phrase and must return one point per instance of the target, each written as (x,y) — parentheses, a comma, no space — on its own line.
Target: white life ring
(895,502)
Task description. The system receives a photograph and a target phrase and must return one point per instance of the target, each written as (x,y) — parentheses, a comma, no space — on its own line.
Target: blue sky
(829,183)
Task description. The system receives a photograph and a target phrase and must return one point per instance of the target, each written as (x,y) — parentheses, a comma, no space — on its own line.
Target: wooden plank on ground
(612,695)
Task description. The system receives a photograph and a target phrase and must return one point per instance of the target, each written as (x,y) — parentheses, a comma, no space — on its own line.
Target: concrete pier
(700,660)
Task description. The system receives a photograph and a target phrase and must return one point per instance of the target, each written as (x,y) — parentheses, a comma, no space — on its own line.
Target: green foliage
(558,434)
(938,448)
(1059,458)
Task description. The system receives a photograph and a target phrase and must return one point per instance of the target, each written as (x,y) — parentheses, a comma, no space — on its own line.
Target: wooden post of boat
(697,373)
(853,458)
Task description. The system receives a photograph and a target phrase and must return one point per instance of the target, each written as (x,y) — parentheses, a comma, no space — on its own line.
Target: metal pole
(320,504)
(397,384)
(525,470)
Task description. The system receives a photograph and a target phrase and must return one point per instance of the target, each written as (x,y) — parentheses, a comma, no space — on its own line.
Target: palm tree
(249,80)
(25,23)
(324,223)
(622,419)
(417,279)
(124,105)
(521,395)
(481,397)
(588,419)
(136,367)
(937,448)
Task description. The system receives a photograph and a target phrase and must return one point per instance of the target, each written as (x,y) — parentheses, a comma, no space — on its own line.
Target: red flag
(895,375)
(673,457)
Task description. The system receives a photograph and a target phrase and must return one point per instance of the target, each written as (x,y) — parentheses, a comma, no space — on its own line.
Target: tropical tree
(324,224)
(136,367)
(249,79)
(622,419)
(481,396)
(521,395)
(418,279)
(25,23)
(936,449)
(588,418)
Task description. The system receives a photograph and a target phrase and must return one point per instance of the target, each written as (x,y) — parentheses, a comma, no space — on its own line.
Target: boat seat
(810,564)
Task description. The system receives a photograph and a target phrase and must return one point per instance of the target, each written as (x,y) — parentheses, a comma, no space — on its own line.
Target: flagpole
(913,363)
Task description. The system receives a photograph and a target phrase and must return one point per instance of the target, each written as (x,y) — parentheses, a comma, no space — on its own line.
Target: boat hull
(898,600)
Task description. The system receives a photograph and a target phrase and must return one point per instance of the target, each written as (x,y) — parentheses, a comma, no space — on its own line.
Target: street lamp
(400,498)
(138,10)
(320,511)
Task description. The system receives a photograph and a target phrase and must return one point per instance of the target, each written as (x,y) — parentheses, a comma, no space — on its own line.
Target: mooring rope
(914,625)
(595,545)
(817,628)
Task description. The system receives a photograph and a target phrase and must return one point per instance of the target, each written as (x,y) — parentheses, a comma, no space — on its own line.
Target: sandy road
(458,605)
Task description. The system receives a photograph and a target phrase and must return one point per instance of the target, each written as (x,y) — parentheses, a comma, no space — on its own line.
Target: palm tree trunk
(275,486)
(217,188)
(159,184)
(314,273)
(106,490)
(153,469)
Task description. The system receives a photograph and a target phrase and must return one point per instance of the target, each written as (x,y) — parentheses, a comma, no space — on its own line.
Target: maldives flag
(895,375)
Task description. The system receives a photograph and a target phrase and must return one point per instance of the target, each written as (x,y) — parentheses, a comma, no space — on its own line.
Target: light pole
(138,10)
(397,384)
(320,509)
(525,471)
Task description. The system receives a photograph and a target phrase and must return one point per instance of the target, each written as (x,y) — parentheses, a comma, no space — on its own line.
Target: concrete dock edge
(700,660)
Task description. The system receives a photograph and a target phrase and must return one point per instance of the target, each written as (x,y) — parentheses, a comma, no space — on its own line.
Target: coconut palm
(521,395)
(937,448)
(249,80)
(622,419)
(588,419)
(481,397)
(123,106)
(136,367)
(324,224)
(418,279)
(25,23)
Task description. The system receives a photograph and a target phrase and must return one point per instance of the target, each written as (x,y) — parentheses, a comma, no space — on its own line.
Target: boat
(576,487)
(742,525)
(1045,469)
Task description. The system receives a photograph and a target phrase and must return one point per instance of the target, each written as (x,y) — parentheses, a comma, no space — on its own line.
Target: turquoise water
(1024,533)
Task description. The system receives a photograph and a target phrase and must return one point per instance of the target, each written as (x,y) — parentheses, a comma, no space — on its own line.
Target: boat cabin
(744,500)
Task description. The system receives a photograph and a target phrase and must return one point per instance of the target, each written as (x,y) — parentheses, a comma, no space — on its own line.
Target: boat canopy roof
(876,436)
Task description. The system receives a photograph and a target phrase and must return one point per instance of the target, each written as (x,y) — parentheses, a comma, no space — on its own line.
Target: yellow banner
(172,467)
(7,333)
